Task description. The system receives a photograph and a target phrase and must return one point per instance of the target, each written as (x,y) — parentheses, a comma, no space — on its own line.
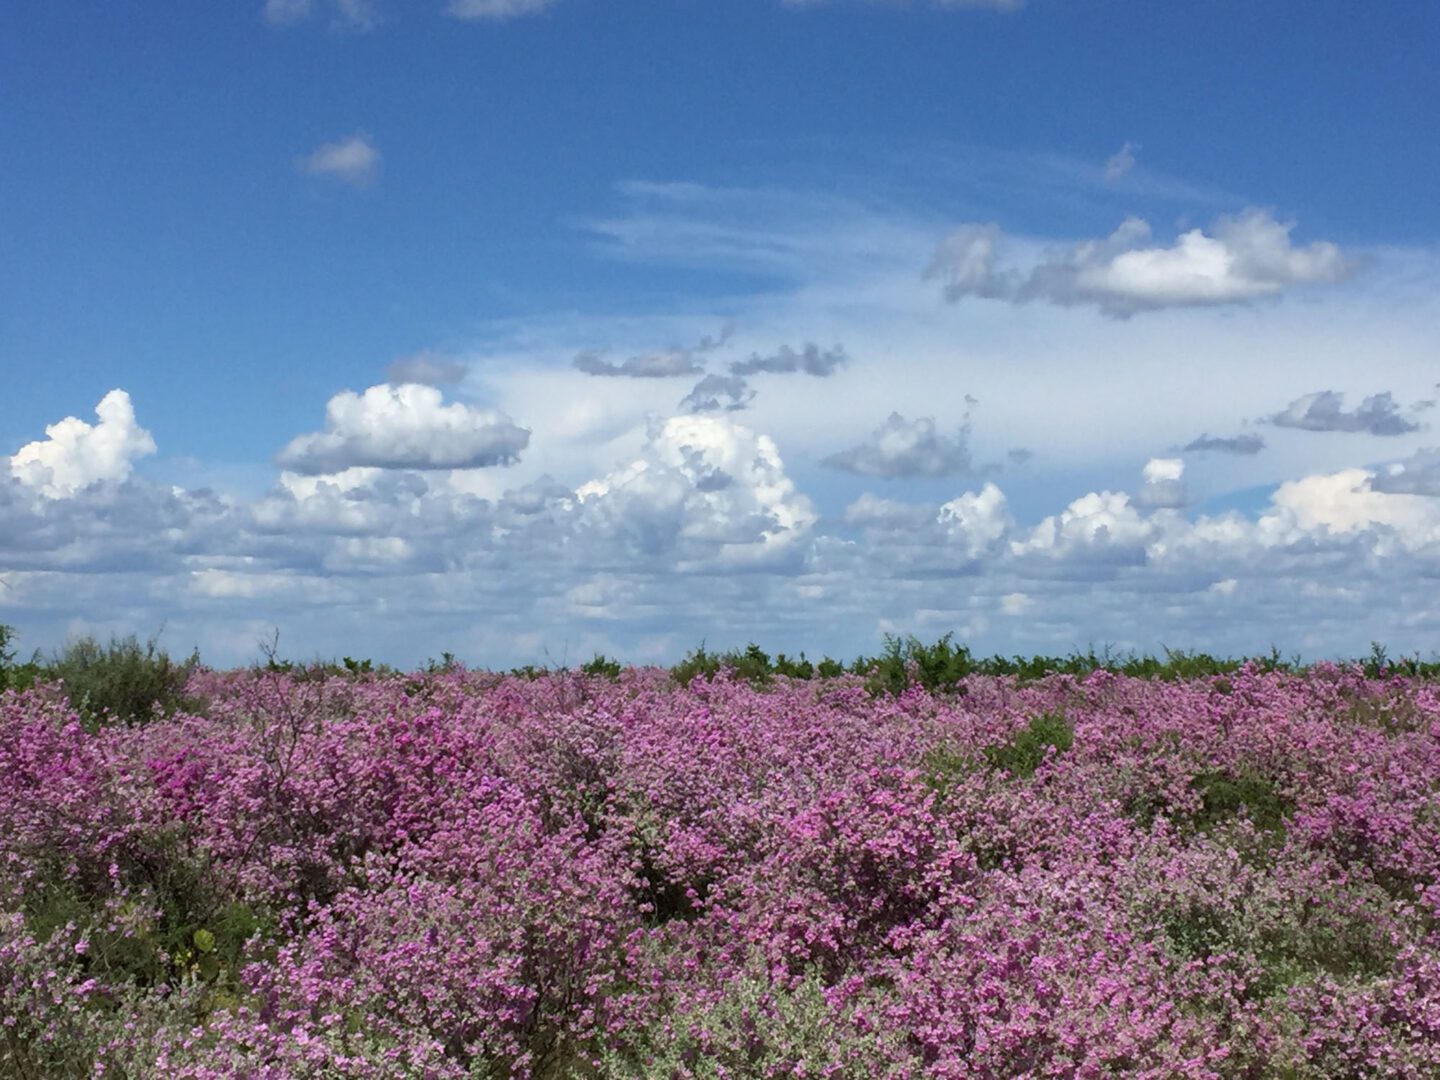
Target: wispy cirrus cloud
(495,10)
(356,16)
(950,5)
(1119,164)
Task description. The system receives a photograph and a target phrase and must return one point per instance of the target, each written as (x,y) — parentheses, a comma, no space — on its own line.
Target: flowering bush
(452,874)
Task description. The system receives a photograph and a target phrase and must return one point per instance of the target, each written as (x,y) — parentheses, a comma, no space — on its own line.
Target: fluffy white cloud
(1347,502)
(1164,485)
(906,448)
(978,521)
(353,160)
(1104,526)
(75,454)
(404,427)
(1242,259)
(682,540)
(704,488)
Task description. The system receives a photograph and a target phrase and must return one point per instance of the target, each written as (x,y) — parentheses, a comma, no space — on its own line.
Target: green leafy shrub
(909,661)
(123,681)
(602,666)
(757,1028)
(1225,796)
(15,676)
(945,766)
(1024,753)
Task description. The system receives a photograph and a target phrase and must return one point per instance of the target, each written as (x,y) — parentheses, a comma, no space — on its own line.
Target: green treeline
(127,680)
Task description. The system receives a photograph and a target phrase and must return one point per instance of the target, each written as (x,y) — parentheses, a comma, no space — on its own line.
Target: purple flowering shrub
(452,874)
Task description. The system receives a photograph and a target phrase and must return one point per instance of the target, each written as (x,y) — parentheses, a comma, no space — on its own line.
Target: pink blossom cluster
(465,875)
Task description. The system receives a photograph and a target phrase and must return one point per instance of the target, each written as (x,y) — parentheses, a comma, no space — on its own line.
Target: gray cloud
(1418,474)
(1225,444)
(426,368)
(1324,410)
(809,359)
(718,393)
(665,364)
(903,448)
(660,365)
(1241,259)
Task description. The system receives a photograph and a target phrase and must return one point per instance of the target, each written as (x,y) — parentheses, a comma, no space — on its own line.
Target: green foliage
(15,676)
(752,665)
(1025,752)
(944,767)
(1225,797)
(447,663)
(176,924)
(910,662)
(756,1028)
(603,666)
(123,681)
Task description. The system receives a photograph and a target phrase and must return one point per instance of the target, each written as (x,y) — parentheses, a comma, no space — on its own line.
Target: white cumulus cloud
(704,488)
(74,454)
(905,448)
(1242,259)
(1164,485)
(404,427)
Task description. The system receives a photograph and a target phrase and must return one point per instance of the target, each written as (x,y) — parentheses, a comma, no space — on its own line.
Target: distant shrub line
(129,681)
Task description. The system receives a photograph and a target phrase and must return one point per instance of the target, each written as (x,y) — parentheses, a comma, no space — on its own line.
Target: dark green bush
(15,676)
(1225,796)
(1024,753)
(603,666)
(123,681)
(909,661)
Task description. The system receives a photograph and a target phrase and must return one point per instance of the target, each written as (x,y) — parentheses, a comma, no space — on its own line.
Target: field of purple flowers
(466,875)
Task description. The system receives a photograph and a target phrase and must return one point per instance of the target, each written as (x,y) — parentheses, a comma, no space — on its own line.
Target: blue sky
(236,215)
